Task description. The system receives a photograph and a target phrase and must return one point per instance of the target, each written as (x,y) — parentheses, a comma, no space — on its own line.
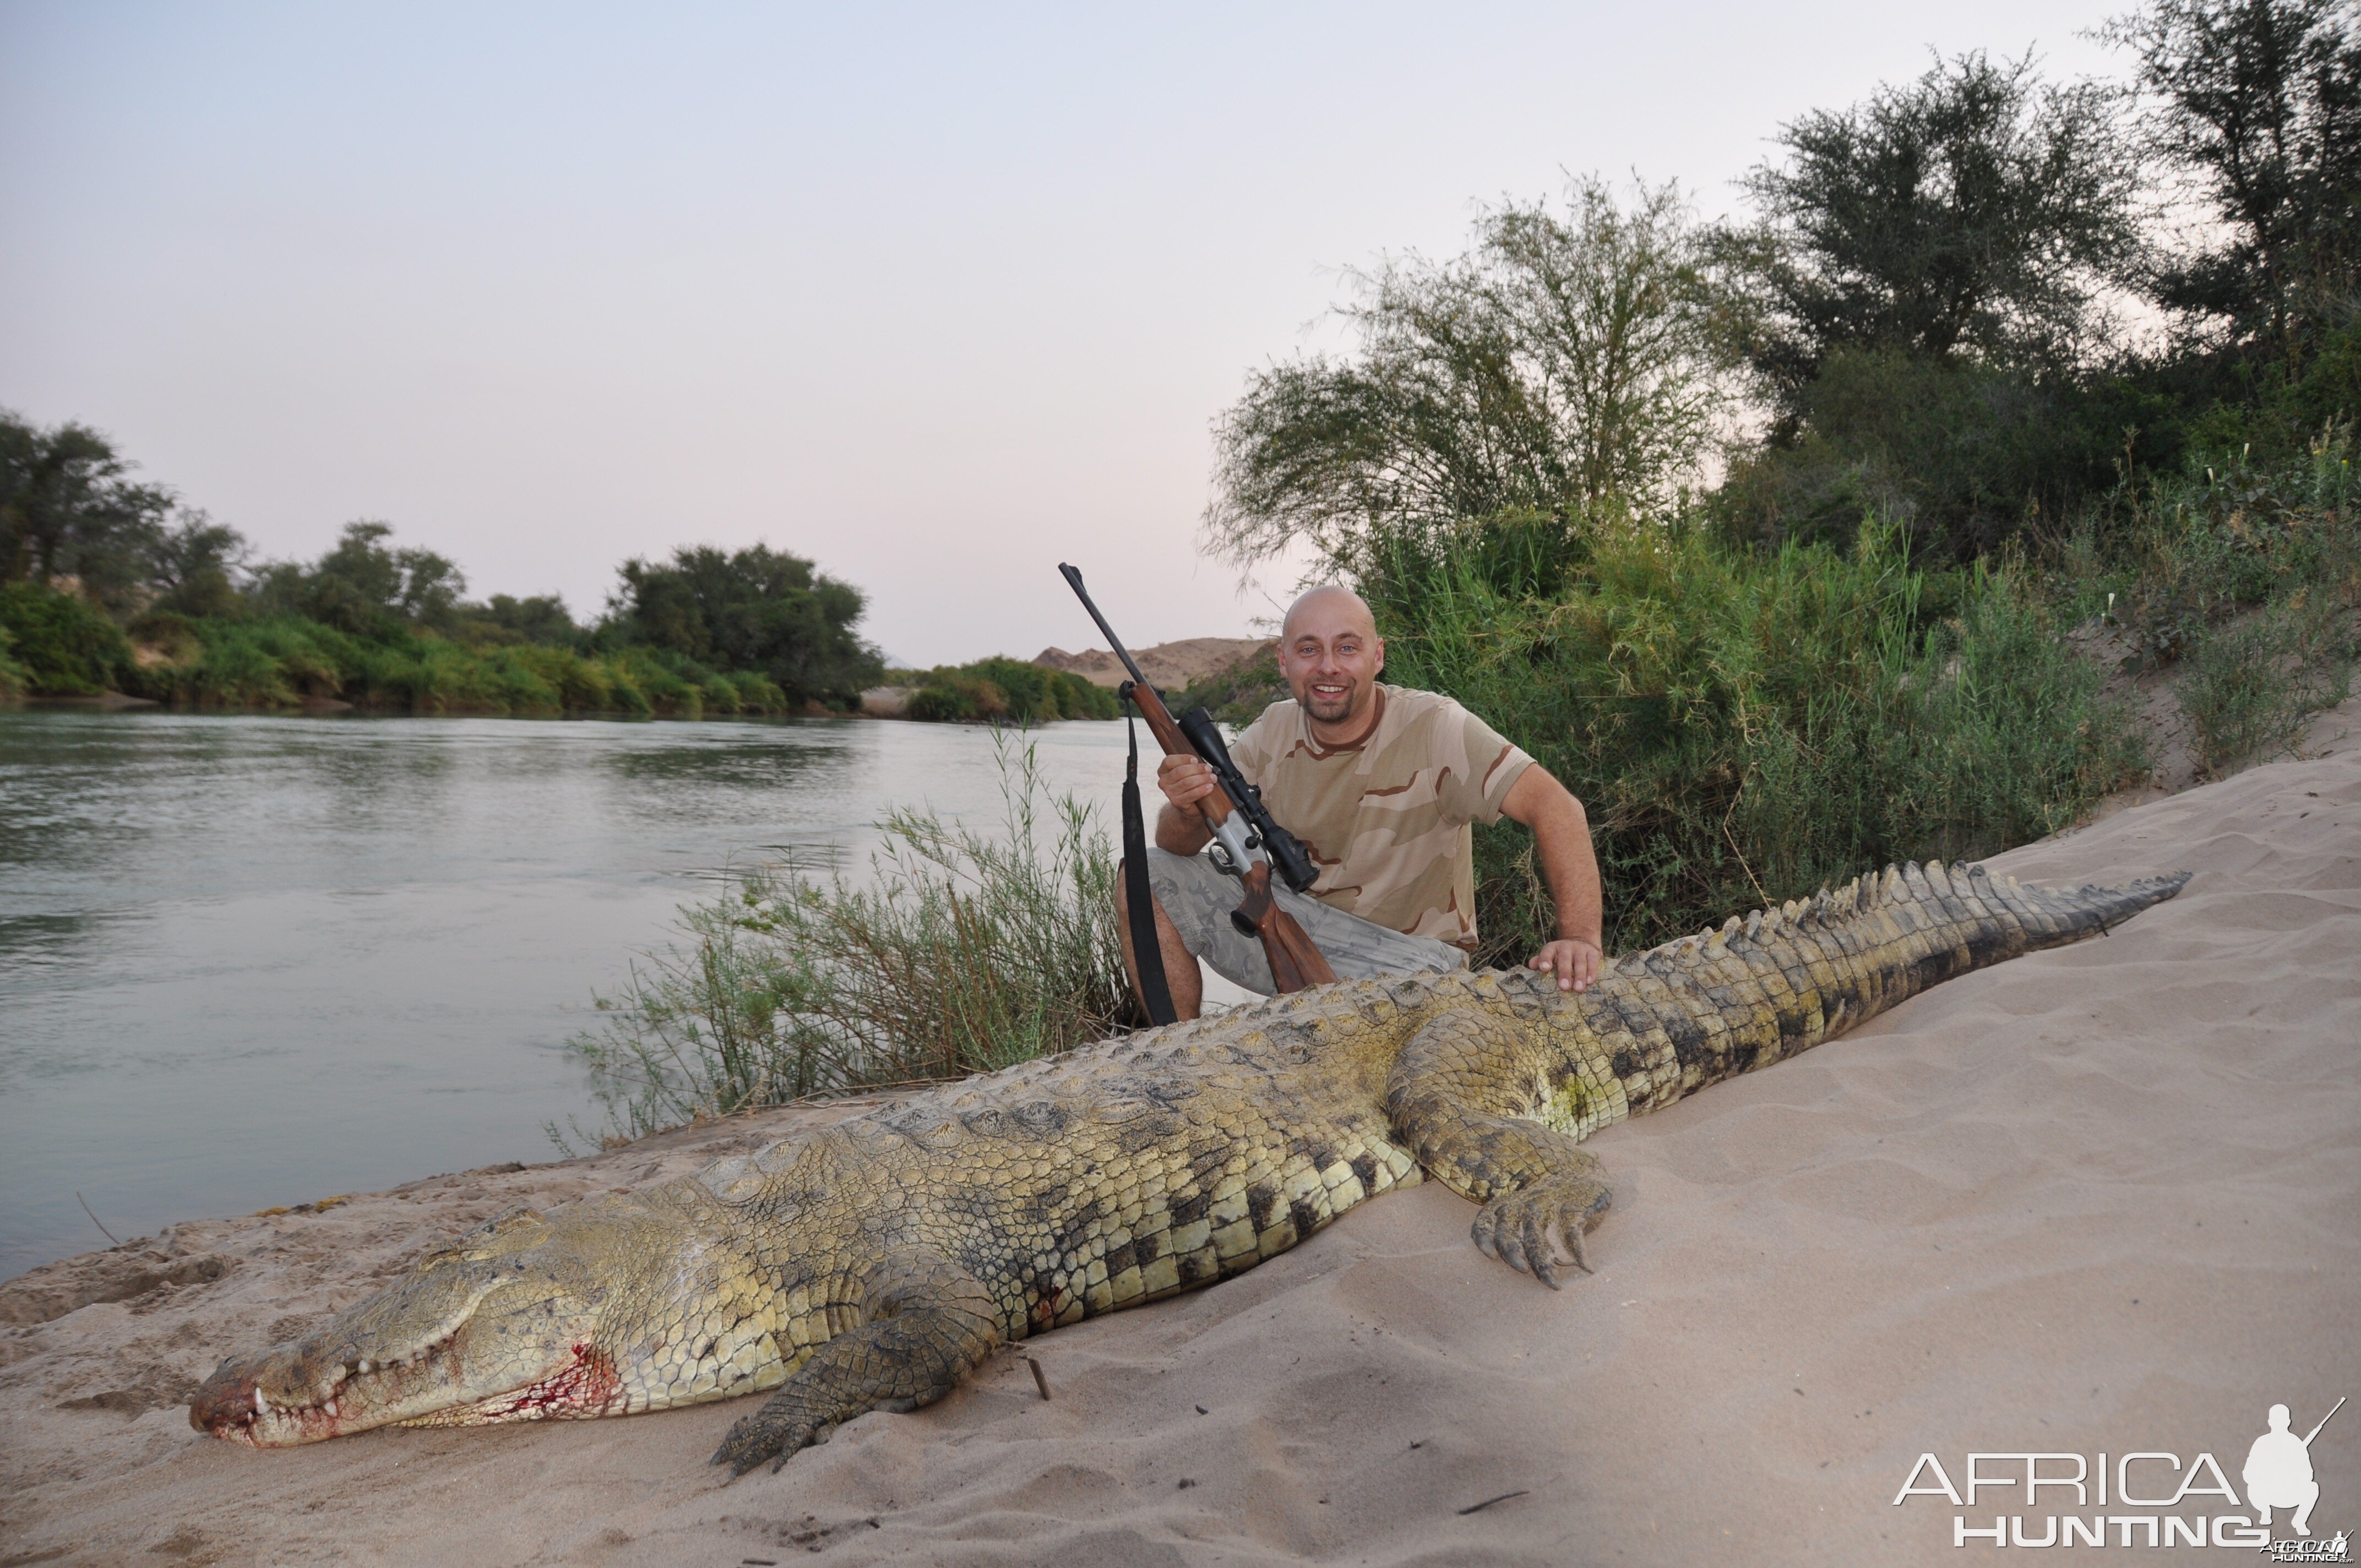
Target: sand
(2101,1199)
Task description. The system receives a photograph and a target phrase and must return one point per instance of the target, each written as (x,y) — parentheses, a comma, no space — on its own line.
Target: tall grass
(961,951)
(2194,550)
(1746,727)
(2250,685)
(2245,577)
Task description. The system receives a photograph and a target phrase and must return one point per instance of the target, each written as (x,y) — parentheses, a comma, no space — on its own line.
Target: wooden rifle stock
(1295,961)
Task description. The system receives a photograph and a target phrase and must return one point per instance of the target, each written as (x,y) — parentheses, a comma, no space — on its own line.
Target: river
(251,961)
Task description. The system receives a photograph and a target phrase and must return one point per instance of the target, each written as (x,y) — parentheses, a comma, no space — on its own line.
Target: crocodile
(875,1264)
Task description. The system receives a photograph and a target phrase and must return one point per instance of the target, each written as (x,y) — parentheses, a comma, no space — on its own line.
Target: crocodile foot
(769,1433)
(1538,1228)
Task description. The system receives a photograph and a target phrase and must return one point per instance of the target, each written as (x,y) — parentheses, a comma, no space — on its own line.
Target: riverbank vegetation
(1002,690)
(106,586)
(1846,531)
(961,950)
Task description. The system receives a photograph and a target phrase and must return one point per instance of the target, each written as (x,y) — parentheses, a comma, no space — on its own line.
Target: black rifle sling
(1147,949)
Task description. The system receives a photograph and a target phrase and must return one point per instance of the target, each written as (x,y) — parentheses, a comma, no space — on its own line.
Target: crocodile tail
(1780,981)
(2051,917)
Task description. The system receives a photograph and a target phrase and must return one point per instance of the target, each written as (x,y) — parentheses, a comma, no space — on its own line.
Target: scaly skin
(873,1264)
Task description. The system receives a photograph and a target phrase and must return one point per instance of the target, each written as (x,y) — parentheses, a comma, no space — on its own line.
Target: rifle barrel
(2323,1422)
(1074,580)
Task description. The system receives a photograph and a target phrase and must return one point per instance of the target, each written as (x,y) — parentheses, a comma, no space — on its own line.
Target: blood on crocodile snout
(225,1404)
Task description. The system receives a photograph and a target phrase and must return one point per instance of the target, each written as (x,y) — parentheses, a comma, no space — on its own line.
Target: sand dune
(2098,1200)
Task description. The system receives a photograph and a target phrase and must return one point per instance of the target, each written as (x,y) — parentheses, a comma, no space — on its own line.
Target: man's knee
(1157,912)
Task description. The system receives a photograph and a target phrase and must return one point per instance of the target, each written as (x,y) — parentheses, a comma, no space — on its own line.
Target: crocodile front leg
(1463,1095)
(926,1324)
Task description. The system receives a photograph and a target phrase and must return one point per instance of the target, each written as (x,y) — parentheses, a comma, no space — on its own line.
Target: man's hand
(1576,962)
(1185,781)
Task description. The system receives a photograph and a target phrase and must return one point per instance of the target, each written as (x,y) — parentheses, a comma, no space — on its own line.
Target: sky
(936,296)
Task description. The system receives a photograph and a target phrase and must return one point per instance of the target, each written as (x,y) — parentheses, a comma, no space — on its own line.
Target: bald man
(1381,784)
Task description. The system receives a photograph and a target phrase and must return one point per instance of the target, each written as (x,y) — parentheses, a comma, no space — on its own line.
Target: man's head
(2278,1418)
(1330,654)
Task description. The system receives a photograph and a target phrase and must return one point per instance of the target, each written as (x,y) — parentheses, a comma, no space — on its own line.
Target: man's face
(1330,656)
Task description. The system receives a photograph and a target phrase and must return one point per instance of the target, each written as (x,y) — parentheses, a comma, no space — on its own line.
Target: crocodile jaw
(499,1328)
(280,1399)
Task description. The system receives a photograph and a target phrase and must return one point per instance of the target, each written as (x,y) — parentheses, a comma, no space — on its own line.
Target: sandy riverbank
(2102,1198)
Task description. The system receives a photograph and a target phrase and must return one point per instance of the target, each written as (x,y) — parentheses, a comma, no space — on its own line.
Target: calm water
(247,960)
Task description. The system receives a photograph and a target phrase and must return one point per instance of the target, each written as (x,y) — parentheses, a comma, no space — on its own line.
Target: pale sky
(937,296)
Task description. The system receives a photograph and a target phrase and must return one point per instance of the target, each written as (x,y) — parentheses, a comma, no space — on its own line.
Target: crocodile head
(511,1324)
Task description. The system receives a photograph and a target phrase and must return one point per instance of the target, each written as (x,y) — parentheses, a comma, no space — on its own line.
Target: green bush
(950,696)
(63,645)
(1004,689)
(1238,694)
(2250,686)
(1744,727)
(2229,535)
(1966,456)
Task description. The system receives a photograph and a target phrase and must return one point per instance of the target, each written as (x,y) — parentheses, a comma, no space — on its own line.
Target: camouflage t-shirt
(1386,821)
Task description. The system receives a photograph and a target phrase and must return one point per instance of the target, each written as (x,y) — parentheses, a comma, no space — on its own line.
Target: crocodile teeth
(261,1406)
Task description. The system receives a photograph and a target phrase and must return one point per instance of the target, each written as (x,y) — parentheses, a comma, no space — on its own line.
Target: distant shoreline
(326,707)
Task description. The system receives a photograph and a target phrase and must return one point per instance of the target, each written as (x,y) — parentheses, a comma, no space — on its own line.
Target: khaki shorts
(1197,898)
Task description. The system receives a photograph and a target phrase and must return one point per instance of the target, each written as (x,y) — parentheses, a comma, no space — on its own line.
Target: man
(2278,1473)
(1380,785)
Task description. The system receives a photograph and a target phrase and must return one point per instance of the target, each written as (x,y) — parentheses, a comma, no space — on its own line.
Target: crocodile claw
(1539,1229)
(761,1436)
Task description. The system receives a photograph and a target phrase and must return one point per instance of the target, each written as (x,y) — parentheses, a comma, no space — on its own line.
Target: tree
(1564,359)
(2259,103)
(67,508)
(1973,213)
(758,609)
(365,586)
(194,566)
(540,618)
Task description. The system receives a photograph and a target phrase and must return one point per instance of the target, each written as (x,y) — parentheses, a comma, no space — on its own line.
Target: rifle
(1247,841)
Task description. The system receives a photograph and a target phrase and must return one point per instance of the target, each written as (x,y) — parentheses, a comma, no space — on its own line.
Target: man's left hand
(1576,962)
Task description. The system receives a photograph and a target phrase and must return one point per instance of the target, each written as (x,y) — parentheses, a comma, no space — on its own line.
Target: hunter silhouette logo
(2142,1497)
(2278,1472)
